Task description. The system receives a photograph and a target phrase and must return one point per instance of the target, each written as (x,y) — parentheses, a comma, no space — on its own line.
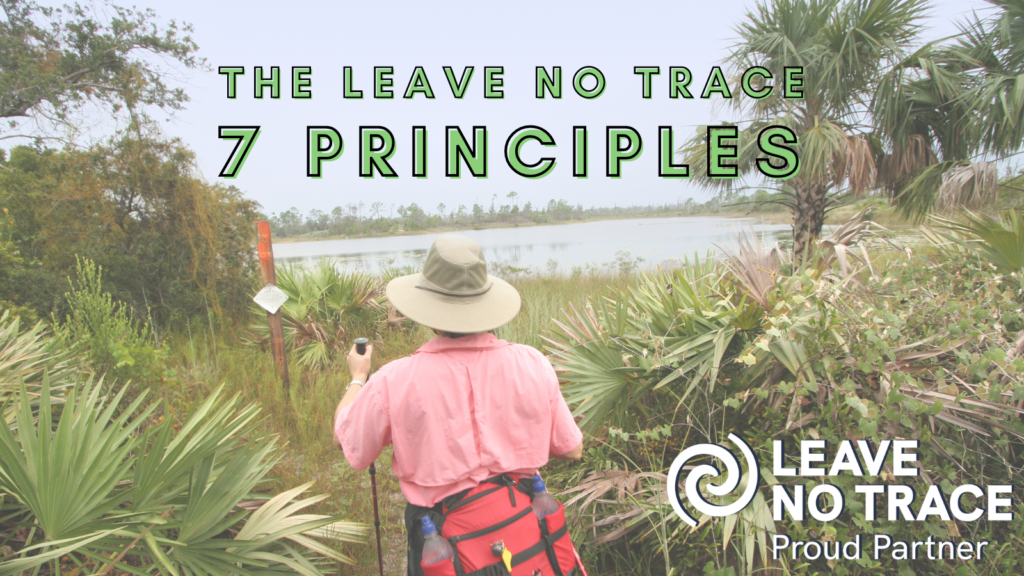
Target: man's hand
(359,368)
(359,364)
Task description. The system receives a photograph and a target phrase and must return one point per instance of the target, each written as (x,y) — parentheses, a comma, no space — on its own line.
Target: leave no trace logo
(700,471)
(891,499)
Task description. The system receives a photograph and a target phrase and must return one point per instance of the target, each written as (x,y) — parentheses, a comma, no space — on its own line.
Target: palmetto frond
(754,265)
(641,492)
(278,519)
(142,500)
(26,354)
(67,474)
(1000,242)
(668,335)
(842,47)
(948,185)
(837,248)
(967,186)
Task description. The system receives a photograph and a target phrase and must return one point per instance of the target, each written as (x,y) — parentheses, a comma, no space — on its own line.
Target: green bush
(105,333)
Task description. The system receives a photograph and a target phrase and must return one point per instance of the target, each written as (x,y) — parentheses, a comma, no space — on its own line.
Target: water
(656,240)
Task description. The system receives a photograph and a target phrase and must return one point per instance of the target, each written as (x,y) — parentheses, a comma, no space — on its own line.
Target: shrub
(325,307)
(105,333)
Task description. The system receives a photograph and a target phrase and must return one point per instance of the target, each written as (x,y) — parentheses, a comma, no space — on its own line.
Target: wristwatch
(351,383)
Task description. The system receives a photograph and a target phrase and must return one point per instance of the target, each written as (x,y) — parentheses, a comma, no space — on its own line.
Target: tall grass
(545,297)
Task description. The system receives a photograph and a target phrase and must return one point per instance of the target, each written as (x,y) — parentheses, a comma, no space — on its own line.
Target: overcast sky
(520,35)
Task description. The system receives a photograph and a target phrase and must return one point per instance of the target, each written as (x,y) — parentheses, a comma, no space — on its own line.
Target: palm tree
(844,47)
(951,105)
(997,47)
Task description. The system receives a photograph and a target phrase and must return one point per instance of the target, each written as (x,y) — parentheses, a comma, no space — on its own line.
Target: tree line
(358,219)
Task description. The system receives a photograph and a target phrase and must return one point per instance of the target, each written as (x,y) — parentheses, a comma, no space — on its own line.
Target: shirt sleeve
(364,427)
(565,434)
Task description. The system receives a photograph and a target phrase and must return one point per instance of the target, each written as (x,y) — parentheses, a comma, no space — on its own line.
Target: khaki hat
(454,293)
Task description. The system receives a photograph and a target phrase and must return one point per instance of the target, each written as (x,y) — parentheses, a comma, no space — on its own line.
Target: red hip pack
(493,528)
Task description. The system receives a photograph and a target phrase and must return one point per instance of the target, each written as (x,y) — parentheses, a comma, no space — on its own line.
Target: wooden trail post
(266,253)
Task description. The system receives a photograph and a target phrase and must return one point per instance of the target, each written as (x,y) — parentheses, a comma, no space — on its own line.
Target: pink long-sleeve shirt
(459,411)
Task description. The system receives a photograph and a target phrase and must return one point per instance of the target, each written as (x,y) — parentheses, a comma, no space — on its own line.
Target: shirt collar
(471,342)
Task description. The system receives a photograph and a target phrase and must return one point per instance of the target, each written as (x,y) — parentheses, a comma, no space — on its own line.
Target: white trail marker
(271,298)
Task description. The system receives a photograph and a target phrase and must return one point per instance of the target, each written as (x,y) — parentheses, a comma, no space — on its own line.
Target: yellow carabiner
(506,557)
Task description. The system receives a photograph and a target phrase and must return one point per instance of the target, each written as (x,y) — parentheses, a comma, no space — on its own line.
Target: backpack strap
(491,528)
(547,540)
(461,498)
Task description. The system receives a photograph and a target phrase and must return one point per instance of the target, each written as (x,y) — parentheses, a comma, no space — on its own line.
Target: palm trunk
(808,219)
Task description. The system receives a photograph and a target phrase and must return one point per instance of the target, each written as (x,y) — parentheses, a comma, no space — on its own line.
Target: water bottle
(543,503)
(435,548)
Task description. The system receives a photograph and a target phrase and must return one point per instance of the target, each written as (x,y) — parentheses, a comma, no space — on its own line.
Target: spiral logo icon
(699,472)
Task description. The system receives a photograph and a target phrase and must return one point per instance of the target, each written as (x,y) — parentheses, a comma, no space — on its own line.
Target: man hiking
(464,409)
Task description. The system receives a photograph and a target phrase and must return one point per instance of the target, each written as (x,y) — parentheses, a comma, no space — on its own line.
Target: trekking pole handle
(361,345)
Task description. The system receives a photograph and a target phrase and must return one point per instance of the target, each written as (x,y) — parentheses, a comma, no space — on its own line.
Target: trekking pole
(579,561)
(361,349)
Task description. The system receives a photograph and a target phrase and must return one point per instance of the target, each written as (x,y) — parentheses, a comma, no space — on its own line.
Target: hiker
(464,408)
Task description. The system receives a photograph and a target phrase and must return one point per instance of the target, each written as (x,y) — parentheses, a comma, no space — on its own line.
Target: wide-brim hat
(454,293)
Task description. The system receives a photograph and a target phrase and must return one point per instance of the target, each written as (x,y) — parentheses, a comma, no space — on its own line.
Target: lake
(656,240)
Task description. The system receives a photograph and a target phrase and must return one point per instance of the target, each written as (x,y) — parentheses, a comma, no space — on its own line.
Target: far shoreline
(768,217)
